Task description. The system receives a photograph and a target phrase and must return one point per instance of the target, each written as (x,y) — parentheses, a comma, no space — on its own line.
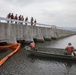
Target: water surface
(24,64)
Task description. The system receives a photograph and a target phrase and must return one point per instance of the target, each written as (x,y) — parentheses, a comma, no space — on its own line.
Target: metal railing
(24,22)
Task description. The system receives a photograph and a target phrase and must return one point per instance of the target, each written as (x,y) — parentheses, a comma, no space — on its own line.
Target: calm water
(24,64)
(60,43)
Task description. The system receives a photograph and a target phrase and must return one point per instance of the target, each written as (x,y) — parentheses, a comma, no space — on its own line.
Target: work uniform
(33,45)
(69,49)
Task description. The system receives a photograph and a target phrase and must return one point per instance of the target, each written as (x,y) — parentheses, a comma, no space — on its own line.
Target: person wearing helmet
(32,44)
(69,49)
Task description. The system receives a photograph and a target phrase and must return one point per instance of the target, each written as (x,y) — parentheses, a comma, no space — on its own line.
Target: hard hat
(69,44)
(31,41)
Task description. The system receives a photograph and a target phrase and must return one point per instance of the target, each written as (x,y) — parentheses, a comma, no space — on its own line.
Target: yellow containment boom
(16,47)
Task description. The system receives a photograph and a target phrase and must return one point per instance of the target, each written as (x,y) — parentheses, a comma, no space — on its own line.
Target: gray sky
(53,12)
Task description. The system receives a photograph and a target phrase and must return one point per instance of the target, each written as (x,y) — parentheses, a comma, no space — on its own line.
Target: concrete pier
(12,32)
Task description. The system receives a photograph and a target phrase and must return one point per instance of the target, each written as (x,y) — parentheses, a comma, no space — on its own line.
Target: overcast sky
(54,12)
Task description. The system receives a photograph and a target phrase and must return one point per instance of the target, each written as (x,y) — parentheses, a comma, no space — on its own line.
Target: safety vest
(69,49)
(16,17)
(32,45)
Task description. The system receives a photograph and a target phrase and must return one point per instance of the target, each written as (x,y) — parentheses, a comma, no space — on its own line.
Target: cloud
(58,12)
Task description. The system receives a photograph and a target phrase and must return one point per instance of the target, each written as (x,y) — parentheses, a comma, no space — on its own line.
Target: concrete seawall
(10,33)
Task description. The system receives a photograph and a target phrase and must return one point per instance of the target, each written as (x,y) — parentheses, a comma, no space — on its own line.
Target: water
(24,64)
(60,43)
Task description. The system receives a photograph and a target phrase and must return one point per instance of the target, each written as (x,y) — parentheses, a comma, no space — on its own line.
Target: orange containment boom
(16,47)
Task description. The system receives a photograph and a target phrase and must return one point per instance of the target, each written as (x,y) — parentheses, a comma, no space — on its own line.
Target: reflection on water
(24,64)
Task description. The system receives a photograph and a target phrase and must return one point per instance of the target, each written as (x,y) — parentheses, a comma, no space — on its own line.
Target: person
(19,18)
(35,22)
(32,45)
(8,16)
(26,19)
(16,18)
(22,18)
(32,21)
(12,17)
(69,49)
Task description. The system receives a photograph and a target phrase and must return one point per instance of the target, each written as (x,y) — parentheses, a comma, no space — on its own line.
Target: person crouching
(69,49)
(32,45)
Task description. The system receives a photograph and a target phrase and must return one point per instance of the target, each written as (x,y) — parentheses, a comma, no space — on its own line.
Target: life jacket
(33,45)
(9,16)
(22,18)
(69,49)
(12,17)
(16,17)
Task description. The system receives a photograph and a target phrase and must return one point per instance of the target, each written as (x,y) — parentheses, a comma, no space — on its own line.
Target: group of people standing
(21,18)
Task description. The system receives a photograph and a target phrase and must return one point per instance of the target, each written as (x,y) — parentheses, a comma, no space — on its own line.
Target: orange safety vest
(32,45)
(16,17)
(69,49)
